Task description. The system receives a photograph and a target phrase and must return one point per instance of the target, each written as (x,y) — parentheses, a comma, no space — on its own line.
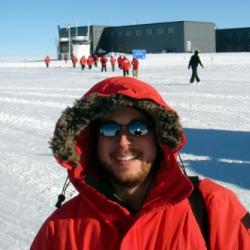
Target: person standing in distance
(193,63)
(135,64)
(83,62)
(74,60)
(125,66)
(47,61)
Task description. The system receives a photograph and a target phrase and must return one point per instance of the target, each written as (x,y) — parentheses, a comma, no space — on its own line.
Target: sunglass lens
(137,128)
(109,129)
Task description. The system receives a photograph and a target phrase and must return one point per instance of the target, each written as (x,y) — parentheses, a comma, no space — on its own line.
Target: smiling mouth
(124,156)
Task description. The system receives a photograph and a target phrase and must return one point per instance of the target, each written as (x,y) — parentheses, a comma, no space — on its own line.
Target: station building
(233,40)
(170,37)
(166,37)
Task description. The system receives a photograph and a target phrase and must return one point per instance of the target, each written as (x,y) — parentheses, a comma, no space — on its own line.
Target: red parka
(135,63)
(112,60)
(74,59)
(90,60)
(119,60)
(126,64)
(104,60)
(83,60)
(92,221)
(47,60)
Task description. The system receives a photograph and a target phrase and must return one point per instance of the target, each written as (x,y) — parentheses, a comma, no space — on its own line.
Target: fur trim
(75,119)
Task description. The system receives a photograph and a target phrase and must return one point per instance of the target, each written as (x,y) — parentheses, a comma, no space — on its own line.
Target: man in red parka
(90,61)
(135,64)
(119,61)
(125,66)
(47,61)
(103,61)
(83,62)
(74,60)
(119,144)
(113,61)
(96,59)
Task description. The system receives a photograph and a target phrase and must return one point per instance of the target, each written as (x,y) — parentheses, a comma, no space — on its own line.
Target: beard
(128,180)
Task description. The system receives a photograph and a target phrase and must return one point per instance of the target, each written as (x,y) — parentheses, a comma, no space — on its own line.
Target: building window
(159,31)
(248,34)
(248,47)
(149,32)
(138,32)
(128,33)
(171,30)
(120,34)
(112,34)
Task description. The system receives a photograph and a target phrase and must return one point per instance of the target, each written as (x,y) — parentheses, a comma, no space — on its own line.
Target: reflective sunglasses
(135,128)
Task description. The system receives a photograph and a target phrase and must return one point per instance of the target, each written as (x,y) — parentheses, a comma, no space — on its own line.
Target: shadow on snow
(220,155)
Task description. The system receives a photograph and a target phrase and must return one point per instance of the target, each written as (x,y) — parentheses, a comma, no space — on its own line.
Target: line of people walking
(125,64)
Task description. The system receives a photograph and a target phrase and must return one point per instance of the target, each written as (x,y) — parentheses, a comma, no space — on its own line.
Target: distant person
(65,58)
(119,61)
(96,59)
(135,64)
(83,62)
(125,66)
(74,60)
(103,61)
(90,61)
(113,61)
(47,61)
(119,144)
(193,63)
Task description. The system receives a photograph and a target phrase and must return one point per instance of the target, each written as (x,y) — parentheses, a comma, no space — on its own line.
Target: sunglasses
(135,128)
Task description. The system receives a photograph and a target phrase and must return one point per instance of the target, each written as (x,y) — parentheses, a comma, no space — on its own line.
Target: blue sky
(29,27)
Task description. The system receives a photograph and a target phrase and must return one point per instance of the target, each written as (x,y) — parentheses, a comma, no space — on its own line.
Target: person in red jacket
(96,59)
(104,63)
(90,61)
(119,61)
(83,62)
(119,144)
(135,64)
(113,61)
(47,61)
(125,66)
(74,60)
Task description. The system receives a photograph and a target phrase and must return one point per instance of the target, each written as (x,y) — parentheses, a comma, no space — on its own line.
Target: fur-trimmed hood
(72,143)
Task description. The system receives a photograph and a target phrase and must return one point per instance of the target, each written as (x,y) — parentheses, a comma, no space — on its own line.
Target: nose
(124,139)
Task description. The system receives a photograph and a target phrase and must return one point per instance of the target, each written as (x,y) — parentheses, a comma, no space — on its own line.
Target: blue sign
(139,53)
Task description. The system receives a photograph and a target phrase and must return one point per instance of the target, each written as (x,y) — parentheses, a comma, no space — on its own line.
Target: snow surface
(215,115)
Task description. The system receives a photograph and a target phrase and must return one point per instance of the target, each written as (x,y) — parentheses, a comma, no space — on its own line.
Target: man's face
(127,158)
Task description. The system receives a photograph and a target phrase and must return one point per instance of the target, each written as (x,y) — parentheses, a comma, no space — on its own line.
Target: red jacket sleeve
(228,219)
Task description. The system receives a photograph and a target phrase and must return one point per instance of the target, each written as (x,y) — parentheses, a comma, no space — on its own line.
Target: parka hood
(74,136)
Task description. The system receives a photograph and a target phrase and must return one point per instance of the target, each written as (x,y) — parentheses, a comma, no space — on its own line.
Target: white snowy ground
(215,115)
